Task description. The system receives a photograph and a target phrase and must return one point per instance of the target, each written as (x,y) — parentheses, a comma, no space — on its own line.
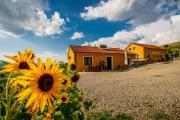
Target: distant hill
(173,49)
(172,45)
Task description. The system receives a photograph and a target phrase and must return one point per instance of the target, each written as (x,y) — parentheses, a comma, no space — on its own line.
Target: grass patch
(168,62)
(108,116)
(161,116)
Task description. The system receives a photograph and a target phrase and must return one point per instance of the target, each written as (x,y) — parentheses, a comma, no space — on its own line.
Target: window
(129,49)
(134,48)
(87,60)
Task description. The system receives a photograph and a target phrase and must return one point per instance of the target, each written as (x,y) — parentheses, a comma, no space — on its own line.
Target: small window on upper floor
(134,48)
(129,49)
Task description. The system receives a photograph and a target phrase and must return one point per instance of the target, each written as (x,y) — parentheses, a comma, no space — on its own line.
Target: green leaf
(57,117)
(2,75)
(4,62)
(22,116)
(124,116)
(2,81)
(88,104)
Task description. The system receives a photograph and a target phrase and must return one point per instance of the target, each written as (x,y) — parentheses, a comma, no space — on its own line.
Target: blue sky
(49,27)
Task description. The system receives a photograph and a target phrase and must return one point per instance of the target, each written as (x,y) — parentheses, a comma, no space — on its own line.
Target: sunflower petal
(43,102)
(24,94)
(48,63)
(31,99)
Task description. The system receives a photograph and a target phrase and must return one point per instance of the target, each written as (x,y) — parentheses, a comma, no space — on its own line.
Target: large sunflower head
(42,84)
(20,61)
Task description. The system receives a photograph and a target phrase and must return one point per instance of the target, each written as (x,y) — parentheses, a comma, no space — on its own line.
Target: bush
(108,116)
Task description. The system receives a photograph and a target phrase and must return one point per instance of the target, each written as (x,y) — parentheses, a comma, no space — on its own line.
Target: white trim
(87,56)
(111,61)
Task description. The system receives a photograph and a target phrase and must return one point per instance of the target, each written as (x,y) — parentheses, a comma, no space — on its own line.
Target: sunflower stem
(13,106)
(20,106)
(8,99)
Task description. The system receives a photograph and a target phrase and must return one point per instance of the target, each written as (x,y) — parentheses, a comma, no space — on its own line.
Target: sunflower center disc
(64,82)
(45,82)
(63,99)
(23,65)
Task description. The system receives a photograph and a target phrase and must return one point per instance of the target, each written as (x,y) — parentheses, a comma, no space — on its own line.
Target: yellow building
(89,58)
(147,52)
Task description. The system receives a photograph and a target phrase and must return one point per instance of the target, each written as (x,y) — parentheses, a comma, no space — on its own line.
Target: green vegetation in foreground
(108,116)
(173,49)
(161,116)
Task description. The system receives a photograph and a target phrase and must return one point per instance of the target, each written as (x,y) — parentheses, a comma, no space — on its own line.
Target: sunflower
(42,85)
(64,98)
(66,83)
(75,78)
(21,61)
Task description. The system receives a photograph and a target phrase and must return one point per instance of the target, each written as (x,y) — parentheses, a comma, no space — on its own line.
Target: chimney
(103,46)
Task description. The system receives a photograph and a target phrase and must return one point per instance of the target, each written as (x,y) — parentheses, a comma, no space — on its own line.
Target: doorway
(129,61)
(109,63)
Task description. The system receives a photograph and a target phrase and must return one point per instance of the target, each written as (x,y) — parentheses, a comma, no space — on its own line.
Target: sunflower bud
(73,67)
(75,78)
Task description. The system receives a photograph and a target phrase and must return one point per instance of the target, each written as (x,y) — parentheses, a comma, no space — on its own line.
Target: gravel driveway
(140,92)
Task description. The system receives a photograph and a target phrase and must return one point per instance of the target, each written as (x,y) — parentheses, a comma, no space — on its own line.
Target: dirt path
(140,92)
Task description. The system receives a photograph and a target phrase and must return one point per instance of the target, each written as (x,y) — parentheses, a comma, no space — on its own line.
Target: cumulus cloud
(160,32)
(138,11)
(77,35)
(43,55)
(53,56)
(18,17)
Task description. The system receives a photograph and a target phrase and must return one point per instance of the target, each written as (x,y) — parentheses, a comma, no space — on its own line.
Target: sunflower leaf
(22,116)
(88,104)
(4,62)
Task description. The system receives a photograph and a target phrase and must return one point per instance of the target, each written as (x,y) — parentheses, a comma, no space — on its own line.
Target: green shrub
(108,116)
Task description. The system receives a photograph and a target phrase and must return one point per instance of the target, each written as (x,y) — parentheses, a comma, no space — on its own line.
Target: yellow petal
(22,82)
(24,94)
(14,58)
(33,67)
(40,64)
(43,102)
(48,63)
(31,99)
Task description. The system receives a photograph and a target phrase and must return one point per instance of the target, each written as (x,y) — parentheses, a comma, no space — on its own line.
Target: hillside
(172,45)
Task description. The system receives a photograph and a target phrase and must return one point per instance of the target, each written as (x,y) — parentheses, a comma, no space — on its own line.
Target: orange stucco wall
(117,59)
(138,50)
(155,54)
(78,59)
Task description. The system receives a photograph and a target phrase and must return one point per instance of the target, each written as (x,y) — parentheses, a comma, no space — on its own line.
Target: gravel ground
(140,92)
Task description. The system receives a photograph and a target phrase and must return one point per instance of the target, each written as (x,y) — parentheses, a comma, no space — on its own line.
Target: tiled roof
(149,46)
(93,49)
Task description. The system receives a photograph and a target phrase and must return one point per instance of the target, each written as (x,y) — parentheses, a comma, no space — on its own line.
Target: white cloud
(43,55)
(45,26)
(160,32)
(53,56)
(77,35)
(141,11)
(21,16)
